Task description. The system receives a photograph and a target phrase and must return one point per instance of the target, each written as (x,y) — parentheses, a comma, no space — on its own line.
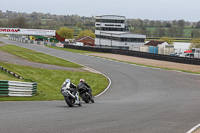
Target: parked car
(175,54)
(78,44)
(189,55)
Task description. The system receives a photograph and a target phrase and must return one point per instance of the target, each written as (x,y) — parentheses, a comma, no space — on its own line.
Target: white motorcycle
(71,97)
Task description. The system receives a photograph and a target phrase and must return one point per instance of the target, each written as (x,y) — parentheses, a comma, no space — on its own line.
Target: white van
(189,55)
(196,52)
(196,55)
(78,44)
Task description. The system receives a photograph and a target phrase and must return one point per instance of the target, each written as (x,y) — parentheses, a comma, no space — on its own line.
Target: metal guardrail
(176,59)
(124,51)
(16,88)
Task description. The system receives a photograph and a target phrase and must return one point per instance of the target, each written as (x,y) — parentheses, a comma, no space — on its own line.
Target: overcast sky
(188,10)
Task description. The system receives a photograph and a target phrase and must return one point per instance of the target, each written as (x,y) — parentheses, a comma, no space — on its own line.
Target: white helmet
(81,80)
(67,80)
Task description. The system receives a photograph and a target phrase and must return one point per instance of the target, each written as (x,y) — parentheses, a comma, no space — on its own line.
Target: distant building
(86,40)
(112,31)
(157,43)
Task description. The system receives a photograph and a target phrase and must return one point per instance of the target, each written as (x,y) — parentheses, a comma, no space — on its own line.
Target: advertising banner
(19,31)
(59,45)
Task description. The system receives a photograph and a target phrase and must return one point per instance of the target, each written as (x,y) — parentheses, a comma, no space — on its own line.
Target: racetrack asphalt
(140,100)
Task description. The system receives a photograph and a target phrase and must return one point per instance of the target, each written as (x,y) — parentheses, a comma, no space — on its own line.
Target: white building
(111,31)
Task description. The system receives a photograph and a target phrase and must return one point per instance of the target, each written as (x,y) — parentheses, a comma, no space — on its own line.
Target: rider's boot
(77,99)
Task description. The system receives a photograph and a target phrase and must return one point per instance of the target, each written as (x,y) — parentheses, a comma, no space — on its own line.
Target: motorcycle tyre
(69,101)
(92,100)
(85,98)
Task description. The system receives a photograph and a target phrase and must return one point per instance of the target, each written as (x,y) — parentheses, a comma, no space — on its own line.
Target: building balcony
(109,25)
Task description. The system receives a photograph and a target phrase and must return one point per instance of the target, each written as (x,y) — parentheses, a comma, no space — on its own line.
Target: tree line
(151,28)
(42,20)
(155,28)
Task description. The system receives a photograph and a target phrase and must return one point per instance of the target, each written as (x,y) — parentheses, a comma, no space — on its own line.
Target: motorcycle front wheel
(70,101)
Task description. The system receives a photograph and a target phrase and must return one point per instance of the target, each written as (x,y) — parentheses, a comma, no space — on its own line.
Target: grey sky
(188,10)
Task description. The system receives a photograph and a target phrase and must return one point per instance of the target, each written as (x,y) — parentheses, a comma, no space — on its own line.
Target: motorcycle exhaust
(68,93)
(71,95)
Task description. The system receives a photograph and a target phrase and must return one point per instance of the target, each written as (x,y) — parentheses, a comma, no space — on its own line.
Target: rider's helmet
(81,80)
(67,80)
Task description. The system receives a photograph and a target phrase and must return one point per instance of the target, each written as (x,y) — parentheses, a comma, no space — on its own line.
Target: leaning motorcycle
(70,96)
(84,94)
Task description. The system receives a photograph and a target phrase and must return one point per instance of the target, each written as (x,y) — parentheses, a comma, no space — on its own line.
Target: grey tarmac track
(140,100)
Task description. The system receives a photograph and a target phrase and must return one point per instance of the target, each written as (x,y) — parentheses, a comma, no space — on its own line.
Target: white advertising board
(19,31)
(60,45)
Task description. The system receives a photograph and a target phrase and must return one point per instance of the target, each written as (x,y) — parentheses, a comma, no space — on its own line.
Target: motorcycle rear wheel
(92,100)
(85,98)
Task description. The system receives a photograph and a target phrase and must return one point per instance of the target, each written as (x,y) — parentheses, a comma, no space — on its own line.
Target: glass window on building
(128,39)
(98,20)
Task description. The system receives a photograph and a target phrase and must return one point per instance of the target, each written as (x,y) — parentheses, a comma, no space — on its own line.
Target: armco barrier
(176,59)
(16,88)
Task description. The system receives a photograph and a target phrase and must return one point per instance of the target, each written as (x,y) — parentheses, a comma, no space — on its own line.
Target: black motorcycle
(84,94)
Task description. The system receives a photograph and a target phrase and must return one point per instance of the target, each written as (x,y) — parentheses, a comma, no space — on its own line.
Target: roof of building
(154,43)
(111,16)
(114,17)
(82,38)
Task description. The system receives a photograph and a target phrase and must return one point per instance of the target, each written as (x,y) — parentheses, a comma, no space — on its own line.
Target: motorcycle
(84,94)
(71,98)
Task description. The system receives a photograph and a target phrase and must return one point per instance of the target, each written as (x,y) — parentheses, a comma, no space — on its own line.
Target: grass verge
(71,50)
(2,35)
(37,56)
(50,81)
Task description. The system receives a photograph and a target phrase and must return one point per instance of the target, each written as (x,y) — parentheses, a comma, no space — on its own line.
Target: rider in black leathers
(83,84)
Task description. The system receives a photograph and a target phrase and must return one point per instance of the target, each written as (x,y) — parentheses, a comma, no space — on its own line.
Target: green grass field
(2,35)
(49,81)
(186,30)
(37,56)
(71,50)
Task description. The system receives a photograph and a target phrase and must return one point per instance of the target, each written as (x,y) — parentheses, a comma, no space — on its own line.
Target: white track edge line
(190,131)
(144,66)
(194,128)
(93,69)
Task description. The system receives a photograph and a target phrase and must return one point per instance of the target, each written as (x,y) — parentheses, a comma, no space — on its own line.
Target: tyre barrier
(16,88)
(11,73)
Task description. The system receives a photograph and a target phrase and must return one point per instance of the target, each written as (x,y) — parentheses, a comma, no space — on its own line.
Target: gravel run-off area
(150,62)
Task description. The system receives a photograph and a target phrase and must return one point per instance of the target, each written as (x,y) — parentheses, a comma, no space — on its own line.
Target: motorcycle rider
(83,84)
(73,88)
